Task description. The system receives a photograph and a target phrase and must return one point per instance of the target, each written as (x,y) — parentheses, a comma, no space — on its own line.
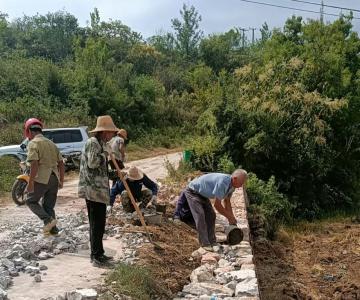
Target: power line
(292,8)
(326,5)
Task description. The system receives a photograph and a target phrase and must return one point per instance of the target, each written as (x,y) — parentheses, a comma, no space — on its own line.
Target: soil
(311,261)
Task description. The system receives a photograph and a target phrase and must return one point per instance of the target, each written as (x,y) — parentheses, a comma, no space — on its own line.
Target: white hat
(135,174)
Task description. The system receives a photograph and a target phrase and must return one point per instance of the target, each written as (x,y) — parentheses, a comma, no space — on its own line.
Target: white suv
(67,140)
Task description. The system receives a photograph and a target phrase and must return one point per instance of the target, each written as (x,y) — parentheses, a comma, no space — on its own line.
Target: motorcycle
(71,162)
(18,189)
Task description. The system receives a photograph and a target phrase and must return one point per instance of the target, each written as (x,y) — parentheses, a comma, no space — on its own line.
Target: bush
(9,167)
(133,281)
(205,152)
(178,174)
(265,199)
(226,165)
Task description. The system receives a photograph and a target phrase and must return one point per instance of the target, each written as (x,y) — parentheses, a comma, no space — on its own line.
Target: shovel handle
(121,176)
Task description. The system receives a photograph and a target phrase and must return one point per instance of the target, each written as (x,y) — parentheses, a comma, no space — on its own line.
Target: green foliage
(268,202)
(50,36)
(287,106)
(289,116)
(179,174)
(9,167)
(205,152)
(226,165)
(221,51)
(187,32)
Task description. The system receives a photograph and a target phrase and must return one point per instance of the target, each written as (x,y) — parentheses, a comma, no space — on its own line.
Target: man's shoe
(102,258)
(106,258)
(100,262)
(54,230)
(48,226)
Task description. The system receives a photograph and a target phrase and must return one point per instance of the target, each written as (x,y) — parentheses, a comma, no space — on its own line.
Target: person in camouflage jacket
(94,185)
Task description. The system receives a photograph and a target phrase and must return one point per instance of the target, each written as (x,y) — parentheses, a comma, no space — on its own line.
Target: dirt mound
(312,261)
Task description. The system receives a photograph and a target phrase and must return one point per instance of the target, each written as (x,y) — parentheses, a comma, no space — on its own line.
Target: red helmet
(32,123)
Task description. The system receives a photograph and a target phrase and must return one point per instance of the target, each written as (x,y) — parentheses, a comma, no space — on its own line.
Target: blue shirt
(213,185)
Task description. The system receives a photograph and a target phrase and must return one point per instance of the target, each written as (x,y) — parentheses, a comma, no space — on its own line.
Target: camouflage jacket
(93,178)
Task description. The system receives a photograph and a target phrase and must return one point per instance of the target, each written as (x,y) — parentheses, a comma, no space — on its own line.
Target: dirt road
(67,272)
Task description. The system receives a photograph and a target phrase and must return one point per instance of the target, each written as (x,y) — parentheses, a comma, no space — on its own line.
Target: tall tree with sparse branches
(187,32)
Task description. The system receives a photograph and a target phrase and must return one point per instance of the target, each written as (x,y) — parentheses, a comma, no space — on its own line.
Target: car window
(47,134)
(64,136)
(76,136)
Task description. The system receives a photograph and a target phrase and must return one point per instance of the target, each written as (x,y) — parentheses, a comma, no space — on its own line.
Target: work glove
(108,210)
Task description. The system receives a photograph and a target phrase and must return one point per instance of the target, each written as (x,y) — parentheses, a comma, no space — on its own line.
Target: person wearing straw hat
(94,185)
(117,145)
(136,179)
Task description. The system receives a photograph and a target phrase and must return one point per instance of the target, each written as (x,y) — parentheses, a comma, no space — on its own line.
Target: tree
(293,29)
(163,42)
(219,50)
(50,36)
(118,37)
(265,32)
(187,32)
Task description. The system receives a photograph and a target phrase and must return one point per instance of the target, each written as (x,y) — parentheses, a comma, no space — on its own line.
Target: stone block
(247,287)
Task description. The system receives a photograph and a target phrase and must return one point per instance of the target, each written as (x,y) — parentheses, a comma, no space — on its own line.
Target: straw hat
(104,123)
(135,174)
(123,133)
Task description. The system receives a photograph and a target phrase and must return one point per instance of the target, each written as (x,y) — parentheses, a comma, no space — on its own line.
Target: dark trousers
(97,220)
(204,216)
(48,193)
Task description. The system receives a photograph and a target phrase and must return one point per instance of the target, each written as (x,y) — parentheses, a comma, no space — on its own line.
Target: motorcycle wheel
(18,191)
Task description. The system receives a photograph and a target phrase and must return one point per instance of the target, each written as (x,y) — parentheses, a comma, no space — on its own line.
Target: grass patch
(9,169)
(136,282)
(322,225)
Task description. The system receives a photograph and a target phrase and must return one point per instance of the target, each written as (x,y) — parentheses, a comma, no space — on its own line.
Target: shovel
(121,176)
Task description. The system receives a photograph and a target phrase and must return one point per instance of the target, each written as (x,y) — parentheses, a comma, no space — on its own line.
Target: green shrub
(9,169)
(205,152)
(265,199)
(226,165)
(133,281)
(178,174)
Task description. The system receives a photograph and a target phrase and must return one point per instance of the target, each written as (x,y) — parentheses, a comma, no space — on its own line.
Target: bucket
(186,155)
(234,234)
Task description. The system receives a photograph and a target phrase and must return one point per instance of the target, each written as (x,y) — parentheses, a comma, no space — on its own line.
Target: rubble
(82,294)
(226,273)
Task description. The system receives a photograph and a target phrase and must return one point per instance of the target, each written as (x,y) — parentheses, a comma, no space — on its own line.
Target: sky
(150,17)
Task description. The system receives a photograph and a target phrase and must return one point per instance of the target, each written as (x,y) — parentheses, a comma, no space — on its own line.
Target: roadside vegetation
(285,107)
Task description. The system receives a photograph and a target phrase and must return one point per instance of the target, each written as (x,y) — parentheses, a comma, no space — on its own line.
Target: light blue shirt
(213,185)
